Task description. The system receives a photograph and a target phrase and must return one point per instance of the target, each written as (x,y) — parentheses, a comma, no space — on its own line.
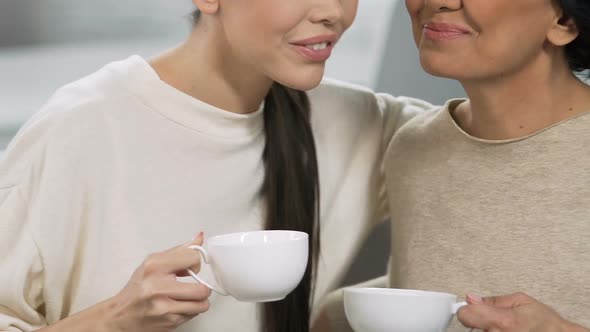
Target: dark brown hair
(291,190)
(578,51)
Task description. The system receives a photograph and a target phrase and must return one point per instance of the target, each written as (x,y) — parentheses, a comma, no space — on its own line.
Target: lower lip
(314,55)
(443,35)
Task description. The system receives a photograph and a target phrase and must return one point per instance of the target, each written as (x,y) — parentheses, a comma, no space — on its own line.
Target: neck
(522,103)
(205,68)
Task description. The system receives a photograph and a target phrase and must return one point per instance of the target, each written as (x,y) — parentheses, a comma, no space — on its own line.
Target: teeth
(317,47)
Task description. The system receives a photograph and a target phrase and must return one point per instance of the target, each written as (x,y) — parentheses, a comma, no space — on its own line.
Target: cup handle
(213,286)
(458,306)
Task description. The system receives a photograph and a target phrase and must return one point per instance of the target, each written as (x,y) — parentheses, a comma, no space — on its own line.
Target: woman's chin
(304,80)
(438,69)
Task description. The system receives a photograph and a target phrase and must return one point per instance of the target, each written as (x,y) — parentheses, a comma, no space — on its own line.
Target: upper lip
(328,38)
(445,27)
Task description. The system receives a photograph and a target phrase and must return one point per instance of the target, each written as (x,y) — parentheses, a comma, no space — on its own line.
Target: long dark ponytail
(291,188)
(291,191)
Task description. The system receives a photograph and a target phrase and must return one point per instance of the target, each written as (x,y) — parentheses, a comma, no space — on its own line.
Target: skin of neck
(206,68)
(519,103)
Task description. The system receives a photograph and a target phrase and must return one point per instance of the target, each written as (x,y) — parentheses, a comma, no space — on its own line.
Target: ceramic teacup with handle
(258,266)
(399,310)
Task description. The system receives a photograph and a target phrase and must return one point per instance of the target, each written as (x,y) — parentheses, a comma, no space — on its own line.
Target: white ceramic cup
(259,266)
(399,310)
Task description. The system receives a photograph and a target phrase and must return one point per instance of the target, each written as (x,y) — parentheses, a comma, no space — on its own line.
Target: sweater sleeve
(386,114)
(352,128)
(395,112)
(42,198)
(21,269)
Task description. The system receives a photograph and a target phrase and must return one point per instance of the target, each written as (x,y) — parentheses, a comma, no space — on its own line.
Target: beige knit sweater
(490,217)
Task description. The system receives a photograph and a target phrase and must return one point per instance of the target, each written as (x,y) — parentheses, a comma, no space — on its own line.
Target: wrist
(98,318)
(110,316)
(102,317)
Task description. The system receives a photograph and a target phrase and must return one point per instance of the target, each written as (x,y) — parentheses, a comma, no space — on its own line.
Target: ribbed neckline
(452,104)
(143,81)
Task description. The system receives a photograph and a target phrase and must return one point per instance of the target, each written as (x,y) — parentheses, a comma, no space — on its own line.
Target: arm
(95,319)
(152,300)
(354,124)
(21,268)
(395,113)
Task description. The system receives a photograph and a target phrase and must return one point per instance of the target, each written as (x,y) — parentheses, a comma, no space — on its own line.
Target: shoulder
(424,128)
(333,96)
(335,100)
(85,106)
(429,120)
(74,122)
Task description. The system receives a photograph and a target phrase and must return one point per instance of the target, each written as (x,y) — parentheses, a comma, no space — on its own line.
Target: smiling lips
(444,31)
(317,49)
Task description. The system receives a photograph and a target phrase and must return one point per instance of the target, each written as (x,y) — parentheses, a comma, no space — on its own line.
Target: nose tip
(328,12)
(445,5)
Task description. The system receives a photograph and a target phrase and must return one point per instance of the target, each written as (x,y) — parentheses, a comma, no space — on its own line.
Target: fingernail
(198,236)
(475,299)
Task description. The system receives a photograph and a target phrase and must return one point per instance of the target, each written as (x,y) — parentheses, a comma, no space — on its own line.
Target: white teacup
(259,266)
(399,310)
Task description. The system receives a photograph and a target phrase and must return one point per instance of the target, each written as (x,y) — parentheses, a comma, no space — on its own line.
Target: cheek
(256,35)
(506,26)
(414,7)
(350,10)
(261,21)
(513,39)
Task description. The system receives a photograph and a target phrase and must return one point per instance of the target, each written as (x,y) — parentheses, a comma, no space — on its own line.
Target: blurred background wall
(47,43)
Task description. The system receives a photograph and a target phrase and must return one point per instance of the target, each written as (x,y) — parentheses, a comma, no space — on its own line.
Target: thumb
(508,301)
(483,316)
(198,239)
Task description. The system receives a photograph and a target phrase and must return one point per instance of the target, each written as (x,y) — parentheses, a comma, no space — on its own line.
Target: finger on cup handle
(153,298)
(474,299)
(479,315)
(180,291)
(197,240)
(508,301)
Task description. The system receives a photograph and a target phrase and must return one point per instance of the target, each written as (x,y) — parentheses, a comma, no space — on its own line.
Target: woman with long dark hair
(216,135)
